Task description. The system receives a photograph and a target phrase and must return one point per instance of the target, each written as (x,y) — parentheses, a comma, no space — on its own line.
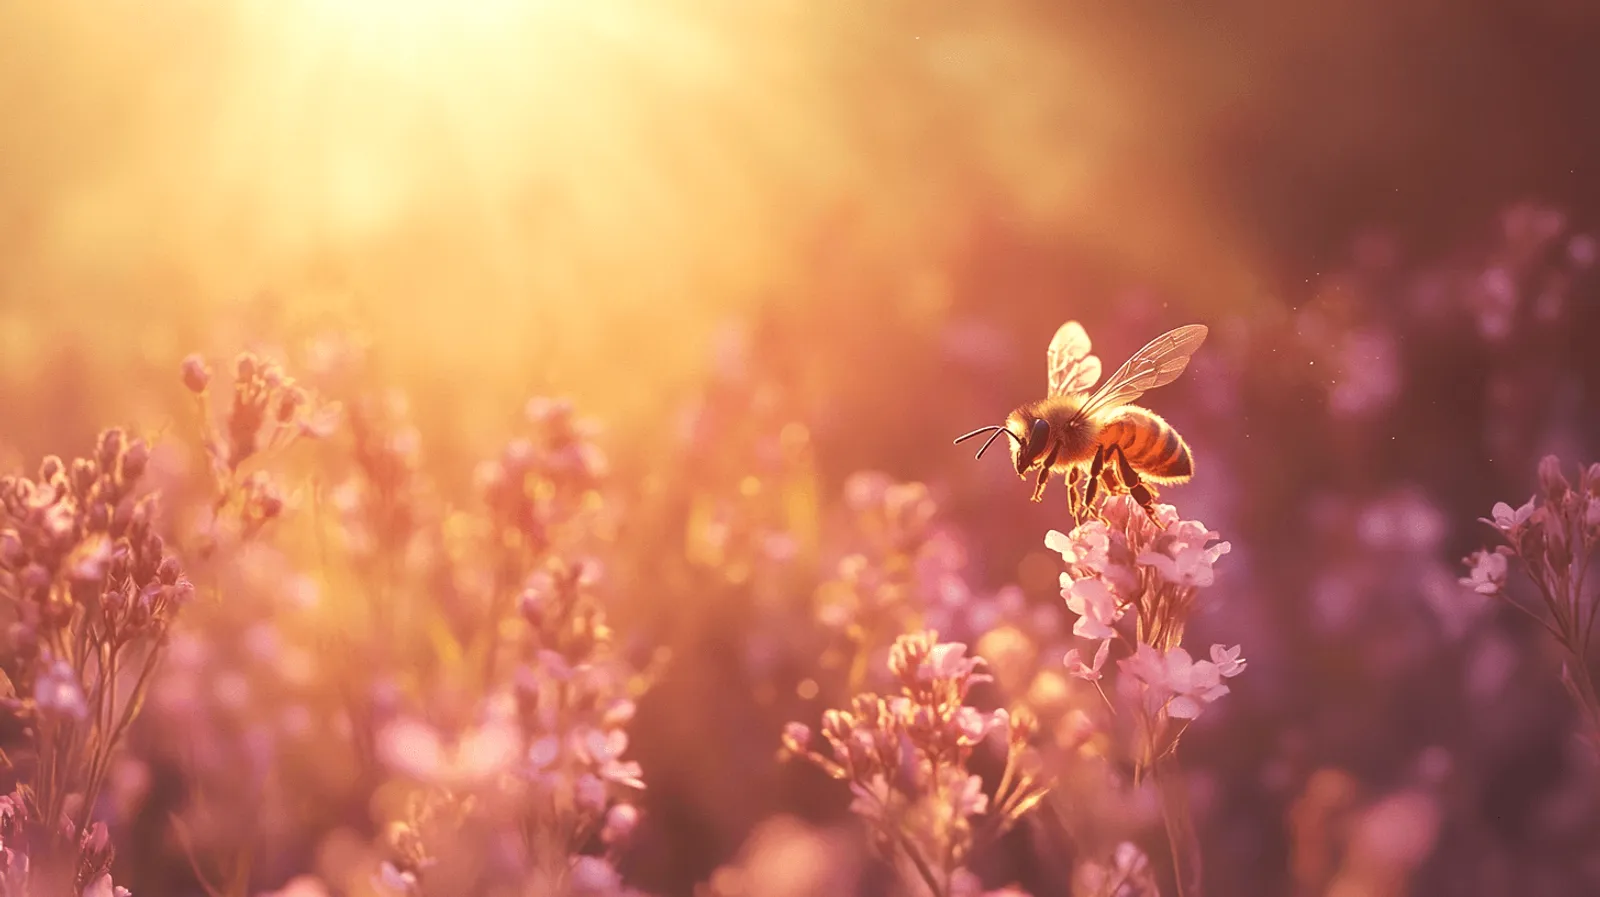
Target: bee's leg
(1044,473)
(1136,487)
(1073,503)
(1093,485)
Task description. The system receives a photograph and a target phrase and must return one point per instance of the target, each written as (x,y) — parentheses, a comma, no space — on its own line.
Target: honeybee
(1101,438)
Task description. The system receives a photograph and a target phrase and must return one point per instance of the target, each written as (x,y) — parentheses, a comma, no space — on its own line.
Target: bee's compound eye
(1036,439)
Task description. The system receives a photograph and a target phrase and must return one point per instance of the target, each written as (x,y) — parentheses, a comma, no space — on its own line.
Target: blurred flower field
(508,451)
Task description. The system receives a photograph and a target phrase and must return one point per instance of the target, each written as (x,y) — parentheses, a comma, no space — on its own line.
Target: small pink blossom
(621,820)
(589,793)
(1088,546)
(1190,566)
(392,880)
(57,691)
(1507,519)
(1487,572)
(593,875)
(949,660)
(1096,607)
(604,750)
(543,752)
(973,725)
(1176,681)
(966,792)
(1228,661)
(418,750)
(1089,671)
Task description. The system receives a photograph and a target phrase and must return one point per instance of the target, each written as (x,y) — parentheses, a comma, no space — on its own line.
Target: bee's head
(1030,437)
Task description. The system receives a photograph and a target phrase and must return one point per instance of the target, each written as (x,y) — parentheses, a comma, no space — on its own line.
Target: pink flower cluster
(906,757)
(1551,538)
(91,592)
(1126,563)
(1130,578)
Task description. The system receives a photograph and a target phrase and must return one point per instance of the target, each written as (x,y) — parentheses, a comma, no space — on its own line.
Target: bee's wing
(1157,364)
(1072,368)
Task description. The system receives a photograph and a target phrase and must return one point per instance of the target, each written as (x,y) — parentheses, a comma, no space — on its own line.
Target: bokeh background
(865,220)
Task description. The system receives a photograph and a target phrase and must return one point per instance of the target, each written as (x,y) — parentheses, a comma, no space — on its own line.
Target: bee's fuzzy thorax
(1072,438)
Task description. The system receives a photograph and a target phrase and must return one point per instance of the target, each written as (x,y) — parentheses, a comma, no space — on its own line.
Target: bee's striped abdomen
(1153,447)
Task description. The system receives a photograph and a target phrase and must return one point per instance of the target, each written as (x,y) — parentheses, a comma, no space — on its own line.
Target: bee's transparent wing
(1072,368)
(1157,364)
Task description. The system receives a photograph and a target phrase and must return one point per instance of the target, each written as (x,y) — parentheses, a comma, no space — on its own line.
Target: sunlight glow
(407,29)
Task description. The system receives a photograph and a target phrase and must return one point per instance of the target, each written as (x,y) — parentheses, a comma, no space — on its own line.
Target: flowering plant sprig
(907,757)
(901,566)
(544,752)
(1124,565)
(1552,538)
(91,591)
(267,412)
(1121,565)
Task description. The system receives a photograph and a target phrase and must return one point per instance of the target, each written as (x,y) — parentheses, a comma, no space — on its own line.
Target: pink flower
(973,725)
(418,750)
(593,875)
(1095,606)
(1228,661)
(1176,681)
(1088,546)
(1190,567)
(796,737)
(589,793)
(57,692)
(1506,519)
(966,793)
(391,880)
(543,752)
(1078,668)
(1192,683)
(949,660)
(1487,574)
(604,750)
(620,823)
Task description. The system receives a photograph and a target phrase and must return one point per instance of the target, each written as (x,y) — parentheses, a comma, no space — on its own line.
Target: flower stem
(1181,837)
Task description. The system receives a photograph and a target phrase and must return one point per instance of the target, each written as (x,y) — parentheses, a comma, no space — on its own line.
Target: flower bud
(134,459)
(590,793)
(112,442)
(196,373)
(12,554)
(621,820)
(290,402)
(51,469)
(84,473)
(1552,482)
(796,737)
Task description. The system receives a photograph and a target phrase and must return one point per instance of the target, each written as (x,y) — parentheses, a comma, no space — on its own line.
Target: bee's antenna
(992,437)
(961,439)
